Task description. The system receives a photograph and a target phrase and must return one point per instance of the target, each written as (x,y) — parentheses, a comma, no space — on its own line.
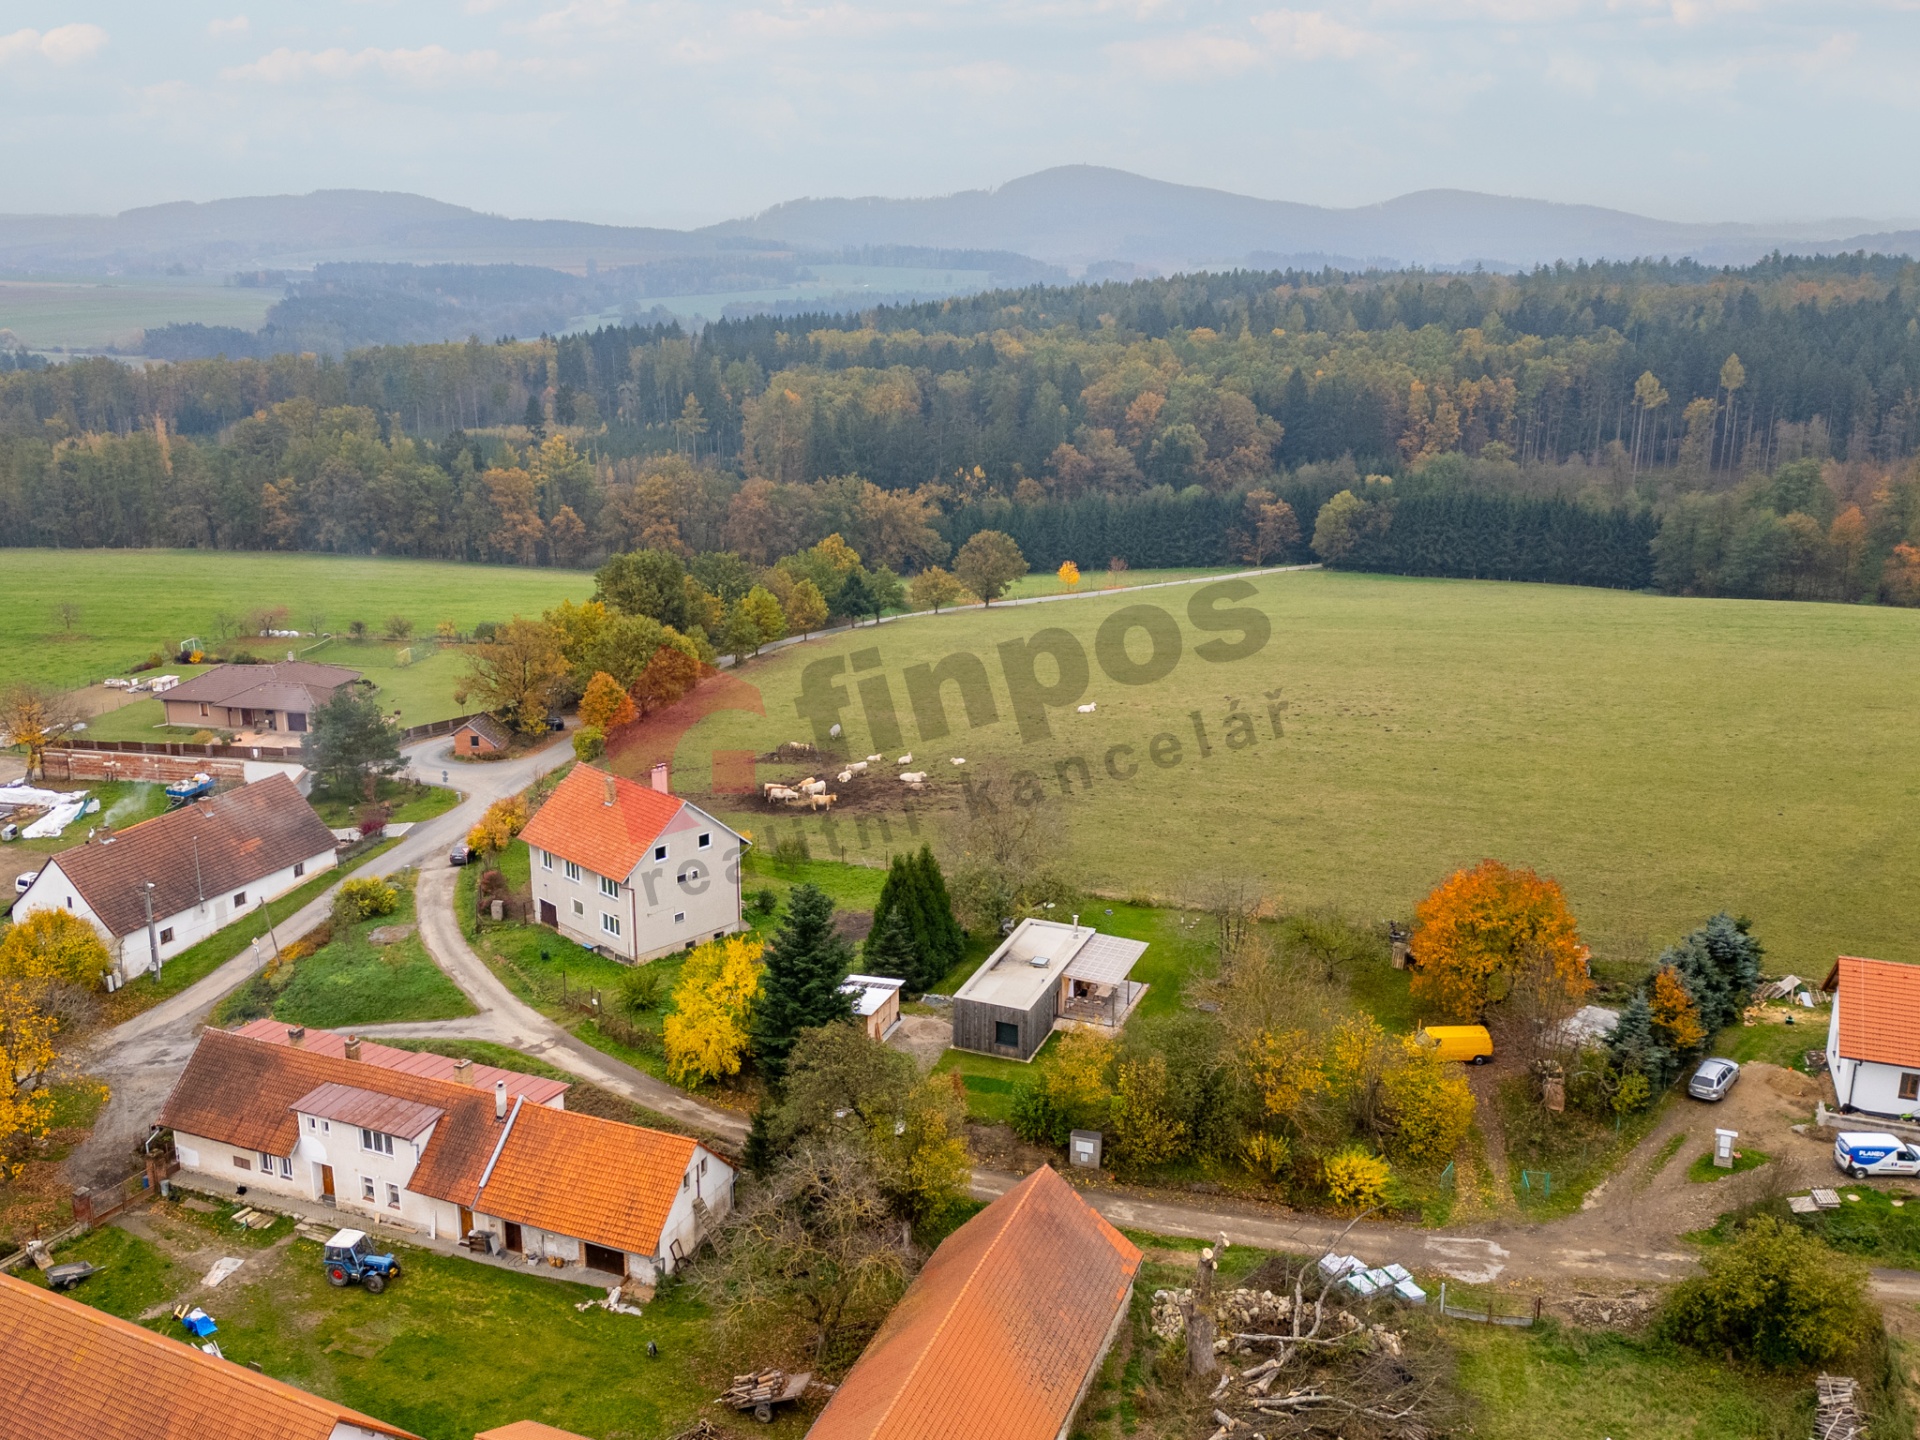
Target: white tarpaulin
(49,825)
(14,797)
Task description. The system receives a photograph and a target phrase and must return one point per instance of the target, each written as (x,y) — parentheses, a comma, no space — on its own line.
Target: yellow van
(1470,1043)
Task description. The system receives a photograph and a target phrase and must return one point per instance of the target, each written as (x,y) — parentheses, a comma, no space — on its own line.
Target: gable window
(609,886)
(1006,1032)
(610,923)
(239,899)
(546,860)
(366,1187)
(706,840)
(166,936)
(659,852)
(679,917)
(573,871)
(580,907)
(377,1142)
(1910,1086)
(299,868)
(312,1124)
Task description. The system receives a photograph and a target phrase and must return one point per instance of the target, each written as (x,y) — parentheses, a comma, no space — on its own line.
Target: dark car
(459,855)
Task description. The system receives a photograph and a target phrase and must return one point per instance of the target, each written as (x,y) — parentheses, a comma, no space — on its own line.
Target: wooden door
(549,915)
(326,1182)
(466,1222)
(610,1262)
(513,1237)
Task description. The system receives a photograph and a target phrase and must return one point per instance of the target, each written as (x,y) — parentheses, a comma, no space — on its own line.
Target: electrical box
(1083,1149)
(1723,1148)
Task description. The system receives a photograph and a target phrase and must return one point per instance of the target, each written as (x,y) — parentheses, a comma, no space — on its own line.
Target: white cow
(813,787)
(858,767)
(875,759)
(958,760)
(782,794)
(914,777)
(906,759)
(844,776)
(1088,708)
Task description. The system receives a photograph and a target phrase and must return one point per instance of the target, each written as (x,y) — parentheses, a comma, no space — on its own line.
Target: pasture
(1662,757)
(89,313)
(133,602)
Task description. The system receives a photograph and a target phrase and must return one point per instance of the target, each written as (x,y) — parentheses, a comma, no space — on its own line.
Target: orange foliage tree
(606,706)
(1675,1015)
(1481,929)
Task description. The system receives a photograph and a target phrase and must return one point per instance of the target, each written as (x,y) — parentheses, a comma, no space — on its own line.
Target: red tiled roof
(74,1371)
(576,1175)
(369,1110)
(1879,1010)
(998,1335)
(527,1430)
(208,848)
(537,1088)
(576,822)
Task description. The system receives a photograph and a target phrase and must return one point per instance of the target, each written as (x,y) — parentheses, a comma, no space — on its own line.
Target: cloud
(429,65)
(238,25)
(1312,35)
(66,45)
(1196,55)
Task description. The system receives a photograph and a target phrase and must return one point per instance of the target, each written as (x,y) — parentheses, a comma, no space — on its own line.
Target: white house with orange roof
(1873,1037)
(630,869)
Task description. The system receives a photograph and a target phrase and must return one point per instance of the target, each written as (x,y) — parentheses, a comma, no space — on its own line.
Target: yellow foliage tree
(1357,1180)
(1675,1015)
(54,945)
(606,706)
(1428,1103)
(1069,573)
(933,1167)
(26,1055)
(1288,1070)
(1076,1081)
(495,830)
(1145,1131)
(1479,929)
(707,1034)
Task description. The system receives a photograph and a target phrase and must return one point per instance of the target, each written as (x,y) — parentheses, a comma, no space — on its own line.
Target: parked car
(1860,1152)
(459,855)
(1713,1079)
(1469,1043)
(21,883)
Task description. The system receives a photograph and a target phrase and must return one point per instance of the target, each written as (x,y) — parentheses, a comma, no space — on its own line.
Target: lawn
(1782,1045)
(1553,1160)
(352,981)
(415,679)
(408,801)
(1704,1172)
(133,602)
(1046,582)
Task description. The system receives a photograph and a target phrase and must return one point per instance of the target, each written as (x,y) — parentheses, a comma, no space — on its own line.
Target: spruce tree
(895,898)
(1635,1045)
(1737,954)
(890,950)
(945,943)
(806,961)
(760,1150)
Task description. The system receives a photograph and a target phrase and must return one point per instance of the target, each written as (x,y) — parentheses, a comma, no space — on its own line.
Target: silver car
(1713,1079)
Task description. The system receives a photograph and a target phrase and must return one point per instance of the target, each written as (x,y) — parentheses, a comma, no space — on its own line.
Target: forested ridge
(1615,424)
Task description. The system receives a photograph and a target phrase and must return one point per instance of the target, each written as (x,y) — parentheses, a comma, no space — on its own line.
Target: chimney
(1076,924)
(296,1035)
(353,1047)
(499,1099)
(463,1072)
(612,793)
(658,777)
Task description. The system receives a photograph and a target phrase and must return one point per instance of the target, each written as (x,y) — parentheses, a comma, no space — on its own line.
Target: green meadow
(1662,757)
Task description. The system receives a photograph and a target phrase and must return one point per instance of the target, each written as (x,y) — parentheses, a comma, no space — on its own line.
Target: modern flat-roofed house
(1001,1335)
(631,869)
(445,1158)
(73,1371)
(256,697)
(201,866)
(1045,972)
(1873,1037)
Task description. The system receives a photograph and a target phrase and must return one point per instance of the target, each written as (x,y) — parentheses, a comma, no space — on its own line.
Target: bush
(1035,1118)
(1356,1180)
(1774,1295)
(790,851)
(640,989)
(765,901)
(361,899)
(373,820)
(589,743)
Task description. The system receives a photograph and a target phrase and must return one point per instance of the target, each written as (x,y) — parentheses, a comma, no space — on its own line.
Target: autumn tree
(26,1056)
(1428,1103)
(54,946)
(494,831)
(670,674)
(1480,929)
(988,563)
(1269,528)
(516,675)
(708,1032)
(606,705)
(933,588)
(1068,574)
(1146,1131)
(36,716)
(1676,1018)
(805,607)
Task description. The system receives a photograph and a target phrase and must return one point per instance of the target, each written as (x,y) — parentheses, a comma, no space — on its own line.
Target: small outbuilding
(1873,1036)
(481,735)
(1044,975)
(876,1002)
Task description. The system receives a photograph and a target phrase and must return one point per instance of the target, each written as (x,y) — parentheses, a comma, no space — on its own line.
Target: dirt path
(1484,1081)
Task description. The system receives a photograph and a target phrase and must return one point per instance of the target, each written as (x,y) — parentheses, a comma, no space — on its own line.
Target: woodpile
(1836,1413)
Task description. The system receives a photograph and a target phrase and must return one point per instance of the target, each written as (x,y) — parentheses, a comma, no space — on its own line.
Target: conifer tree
(945,943)
(806,962)
(1636,1046)
(890,949)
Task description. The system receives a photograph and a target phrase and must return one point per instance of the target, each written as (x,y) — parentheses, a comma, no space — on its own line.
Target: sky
(674,113)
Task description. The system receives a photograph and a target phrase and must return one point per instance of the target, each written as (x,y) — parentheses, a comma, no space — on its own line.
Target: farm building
(1873,1037)
(632,870)
(876,1002)
(156,888)
(538,1089)
(1002,1333)
(1042,974)
(73,1370)
(445,1158)
(256,697)
(481,735)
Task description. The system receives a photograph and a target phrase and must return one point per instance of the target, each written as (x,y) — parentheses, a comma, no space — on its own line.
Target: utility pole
(267,911)
(153,935)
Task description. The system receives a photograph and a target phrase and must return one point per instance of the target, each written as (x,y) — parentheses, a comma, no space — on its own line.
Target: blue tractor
(350,1257)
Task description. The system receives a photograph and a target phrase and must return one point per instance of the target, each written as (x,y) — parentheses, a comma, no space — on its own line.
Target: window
(393,1197)
(204,712)
(579,907)
(609,886)
(266,1163)
(679,917)
(686,1182)
(659,852)
(473,742)
(703,1164)
(366,1187)
(299,868)
(706,840)
(546,860)
(239,899)
(377,1142)
(1006,1032)
(286,1167)
(241,1162)
(166,936)
(312,1124)
(573,871)
(1910,1086)
(610,924)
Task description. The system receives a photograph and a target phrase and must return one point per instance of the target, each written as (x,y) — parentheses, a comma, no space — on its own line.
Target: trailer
(761,1392)
(181,792)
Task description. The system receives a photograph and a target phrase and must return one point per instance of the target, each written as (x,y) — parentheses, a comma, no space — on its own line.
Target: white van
(1874,1153)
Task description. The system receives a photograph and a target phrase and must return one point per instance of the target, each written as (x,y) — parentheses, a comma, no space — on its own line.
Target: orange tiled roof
(72,1370)
(999,1333)
(1879,1010)
(576,822)
(527,1430)
(573,1174)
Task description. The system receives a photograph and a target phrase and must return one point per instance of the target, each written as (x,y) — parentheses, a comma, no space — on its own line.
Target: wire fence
(1492,1308)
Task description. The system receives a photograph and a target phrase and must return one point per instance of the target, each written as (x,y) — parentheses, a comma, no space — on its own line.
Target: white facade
(684,891)
(1871,1086)
(133,952)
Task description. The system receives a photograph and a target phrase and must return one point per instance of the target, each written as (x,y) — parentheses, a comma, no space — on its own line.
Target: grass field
(1663,758)
(88,313)
(133,602)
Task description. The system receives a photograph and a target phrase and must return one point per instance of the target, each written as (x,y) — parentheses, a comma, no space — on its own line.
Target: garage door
(613,1262)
